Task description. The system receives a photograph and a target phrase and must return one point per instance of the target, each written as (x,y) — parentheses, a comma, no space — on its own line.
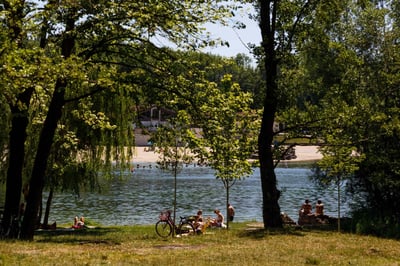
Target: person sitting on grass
(306,209)
(198,222)
(319,208)
(78,223)
(219,220)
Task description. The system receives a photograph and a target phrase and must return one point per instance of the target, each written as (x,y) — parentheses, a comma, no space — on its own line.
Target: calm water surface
(137,198)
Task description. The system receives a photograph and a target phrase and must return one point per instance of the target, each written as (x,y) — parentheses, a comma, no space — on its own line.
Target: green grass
(243,244)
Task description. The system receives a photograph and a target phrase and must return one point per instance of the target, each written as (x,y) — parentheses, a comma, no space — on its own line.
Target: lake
(138,197)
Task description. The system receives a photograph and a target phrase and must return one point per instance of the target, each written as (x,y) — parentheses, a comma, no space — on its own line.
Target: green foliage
(217,127)
(351,71)
(338,85)
(107,34)
(341,156)
(229,129)
(239,67)
(114,49)
(173,141)
(368,223)
(89,64)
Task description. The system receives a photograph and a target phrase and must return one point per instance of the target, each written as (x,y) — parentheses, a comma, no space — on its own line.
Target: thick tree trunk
(46,139)
(271,209)
(19,122)
(16,148)
(39,168)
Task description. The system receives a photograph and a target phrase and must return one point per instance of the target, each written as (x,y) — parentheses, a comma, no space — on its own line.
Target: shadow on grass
(80,236)
(259,233)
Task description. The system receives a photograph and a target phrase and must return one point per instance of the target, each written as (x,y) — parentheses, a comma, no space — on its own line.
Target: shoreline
(305,154)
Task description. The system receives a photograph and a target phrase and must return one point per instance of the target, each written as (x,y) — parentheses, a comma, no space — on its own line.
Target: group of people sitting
(306,216)
(306,209)
(219,221)
(79,223)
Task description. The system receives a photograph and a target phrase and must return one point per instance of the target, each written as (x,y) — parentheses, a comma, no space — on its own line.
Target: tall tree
(373,109)
(228,132)
(173,141)
(283,25)
(355,63)
(271,209)
(21,69)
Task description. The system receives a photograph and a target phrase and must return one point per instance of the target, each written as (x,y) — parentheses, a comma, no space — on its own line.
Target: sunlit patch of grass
(243,244)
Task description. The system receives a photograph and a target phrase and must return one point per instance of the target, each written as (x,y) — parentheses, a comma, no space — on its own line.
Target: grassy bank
(243,244)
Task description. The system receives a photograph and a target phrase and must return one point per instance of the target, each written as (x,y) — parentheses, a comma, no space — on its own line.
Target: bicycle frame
(165,225)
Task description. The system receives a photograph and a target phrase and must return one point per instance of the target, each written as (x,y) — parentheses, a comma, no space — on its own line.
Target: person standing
(231,212)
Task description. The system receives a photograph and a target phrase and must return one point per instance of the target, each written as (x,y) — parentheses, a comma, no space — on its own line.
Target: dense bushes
(368,223)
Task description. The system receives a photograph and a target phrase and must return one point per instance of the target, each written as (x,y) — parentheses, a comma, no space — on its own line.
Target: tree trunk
(16,148)
(271,209)
(48,205)
(19,122)
(46,139)
(39,168)
(227,203)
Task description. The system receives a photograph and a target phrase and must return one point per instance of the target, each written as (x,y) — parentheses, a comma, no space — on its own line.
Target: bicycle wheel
(163,228)
(186,228)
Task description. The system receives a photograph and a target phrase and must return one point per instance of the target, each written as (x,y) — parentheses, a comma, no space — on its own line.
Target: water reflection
(138,197)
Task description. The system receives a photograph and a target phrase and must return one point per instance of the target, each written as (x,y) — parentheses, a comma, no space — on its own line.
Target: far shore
(303,153)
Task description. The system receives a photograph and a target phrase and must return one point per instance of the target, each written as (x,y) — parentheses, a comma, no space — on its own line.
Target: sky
(237,38)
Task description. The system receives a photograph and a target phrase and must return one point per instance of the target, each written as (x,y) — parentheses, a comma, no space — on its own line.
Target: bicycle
(165,226)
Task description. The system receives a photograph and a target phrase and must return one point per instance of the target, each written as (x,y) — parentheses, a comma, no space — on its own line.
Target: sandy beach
(307,153)
(303,153)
